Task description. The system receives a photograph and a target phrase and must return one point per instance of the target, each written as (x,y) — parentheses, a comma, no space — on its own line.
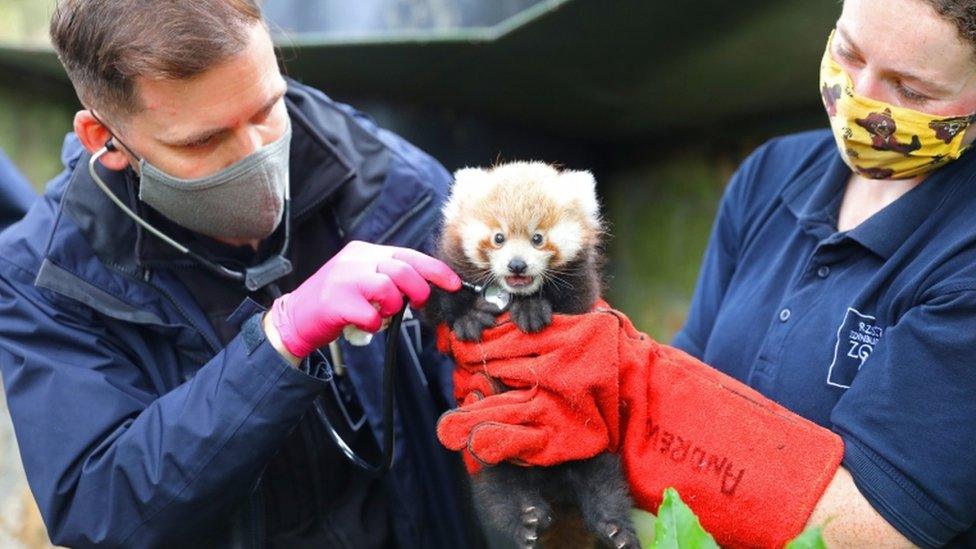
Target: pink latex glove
(343,292)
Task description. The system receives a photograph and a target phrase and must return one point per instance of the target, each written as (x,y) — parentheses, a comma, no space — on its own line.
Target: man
(153,400)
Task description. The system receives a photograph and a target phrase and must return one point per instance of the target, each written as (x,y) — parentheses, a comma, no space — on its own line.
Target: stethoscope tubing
(375,470)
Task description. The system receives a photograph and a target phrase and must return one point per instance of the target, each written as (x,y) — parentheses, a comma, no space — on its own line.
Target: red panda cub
(531,234)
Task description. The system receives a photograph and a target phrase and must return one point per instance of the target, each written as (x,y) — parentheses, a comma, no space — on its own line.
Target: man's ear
(93,136)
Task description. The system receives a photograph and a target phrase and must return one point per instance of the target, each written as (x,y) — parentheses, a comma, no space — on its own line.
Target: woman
(840,282)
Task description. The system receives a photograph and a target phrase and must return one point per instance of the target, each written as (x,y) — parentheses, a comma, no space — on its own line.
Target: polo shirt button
(784,315)
(823,272)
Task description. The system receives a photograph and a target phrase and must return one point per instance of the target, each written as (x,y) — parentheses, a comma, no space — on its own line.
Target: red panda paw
(532,314)
(470,326)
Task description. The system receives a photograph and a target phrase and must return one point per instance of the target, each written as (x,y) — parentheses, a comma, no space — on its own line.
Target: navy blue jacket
(135,426)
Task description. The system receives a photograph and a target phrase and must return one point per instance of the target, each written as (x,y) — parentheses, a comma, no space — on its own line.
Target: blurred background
(661,100)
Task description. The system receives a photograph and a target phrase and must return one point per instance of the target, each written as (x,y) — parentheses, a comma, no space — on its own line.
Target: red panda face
(519,224)
(519,258)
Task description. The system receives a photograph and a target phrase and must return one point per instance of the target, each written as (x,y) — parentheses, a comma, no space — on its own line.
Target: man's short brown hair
(105,45)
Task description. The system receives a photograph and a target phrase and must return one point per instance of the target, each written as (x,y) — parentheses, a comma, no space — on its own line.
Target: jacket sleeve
(110,461)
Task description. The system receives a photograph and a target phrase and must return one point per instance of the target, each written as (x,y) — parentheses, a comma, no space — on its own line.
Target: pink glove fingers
(379,289)
(434,270)
(363,315)
(407,280)
(343,292)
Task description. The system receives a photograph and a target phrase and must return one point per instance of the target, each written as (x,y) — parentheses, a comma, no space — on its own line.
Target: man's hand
(275,339)
(592,382)
(360,286)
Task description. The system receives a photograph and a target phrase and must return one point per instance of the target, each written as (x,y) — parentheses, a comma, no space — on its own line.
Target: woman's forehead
(908,36)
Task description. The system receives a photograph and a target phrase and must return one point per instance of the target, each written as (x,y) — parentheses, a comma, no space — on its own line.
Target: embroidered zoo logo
(856,339)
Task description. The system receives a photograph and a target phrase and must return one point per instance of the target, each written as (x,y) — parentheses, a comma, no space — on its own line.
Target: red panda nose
(517,266)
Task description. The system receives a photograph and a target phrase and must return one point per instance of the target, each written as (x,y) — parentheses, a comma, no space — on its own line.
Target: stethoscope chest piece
(497,297)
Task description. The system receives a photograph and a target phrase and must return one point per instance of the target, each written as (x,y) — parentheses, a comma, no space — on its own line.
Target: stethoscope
(493,294)
(255,278)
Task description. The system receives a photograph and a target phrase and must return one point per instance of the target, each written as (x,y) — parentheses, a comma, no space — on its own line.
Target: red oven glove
(752,470)
(527,422)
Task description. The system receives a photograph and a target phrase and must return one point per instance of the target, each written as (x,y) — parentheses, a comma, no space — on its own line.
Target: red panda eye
(537,239)
(499,239)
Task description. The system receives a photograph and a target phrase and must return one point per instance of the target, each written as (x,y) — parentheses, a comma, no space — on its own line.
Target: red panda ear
(470,177)
(469,184)
(581,187)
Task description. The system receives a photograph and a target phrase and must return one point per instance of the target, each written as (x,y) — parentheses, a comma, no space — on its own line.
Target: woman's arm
(849,520)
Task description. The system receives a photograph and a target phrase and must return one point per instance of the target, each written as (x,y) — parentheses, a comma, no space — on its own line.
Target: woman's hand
(591,383)
(538,399)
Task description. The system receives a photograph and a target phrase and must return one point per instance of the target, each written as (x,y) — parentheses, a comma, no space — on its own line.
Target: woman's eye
(847,54)
(910,95)
(499,239)
(537,239)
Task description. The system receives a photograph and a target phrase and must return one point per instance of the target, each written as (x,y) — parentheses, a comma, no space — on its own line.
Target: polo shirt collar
(815,196)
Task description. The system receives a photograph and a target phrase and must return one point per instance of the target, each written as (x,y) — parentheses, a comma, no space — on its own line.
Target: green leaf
(644,524)
(677,527)
(811,538)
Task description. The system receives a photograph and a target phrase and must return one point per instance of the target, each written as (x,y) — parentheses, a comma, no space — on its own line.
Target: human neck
(865,197)
(239,242)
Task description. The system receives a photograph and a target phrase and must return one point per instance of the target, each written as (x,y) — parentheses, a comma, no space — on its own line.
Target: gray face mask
(243,201)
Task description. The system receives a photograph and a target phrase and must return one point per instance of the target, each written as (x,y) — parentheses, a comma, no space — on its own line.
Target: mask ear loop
(970,128)
(253,278)
(92,162)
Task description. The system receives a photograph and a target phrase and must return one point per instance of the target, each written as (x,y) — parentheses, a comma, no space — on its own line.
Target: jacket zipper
(214,347)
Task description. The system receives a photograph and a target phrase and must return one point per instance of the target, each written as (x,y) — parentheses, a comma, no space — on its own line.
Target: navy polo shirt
(869,332)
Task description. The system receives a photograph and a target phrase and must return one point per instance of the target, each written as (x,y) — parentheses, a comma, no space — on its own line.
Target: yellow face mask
(882,141)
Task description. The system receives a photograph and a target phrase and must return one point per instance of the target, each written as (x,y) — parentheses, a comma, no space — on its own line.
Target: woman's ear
(970,135)
(93,136)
